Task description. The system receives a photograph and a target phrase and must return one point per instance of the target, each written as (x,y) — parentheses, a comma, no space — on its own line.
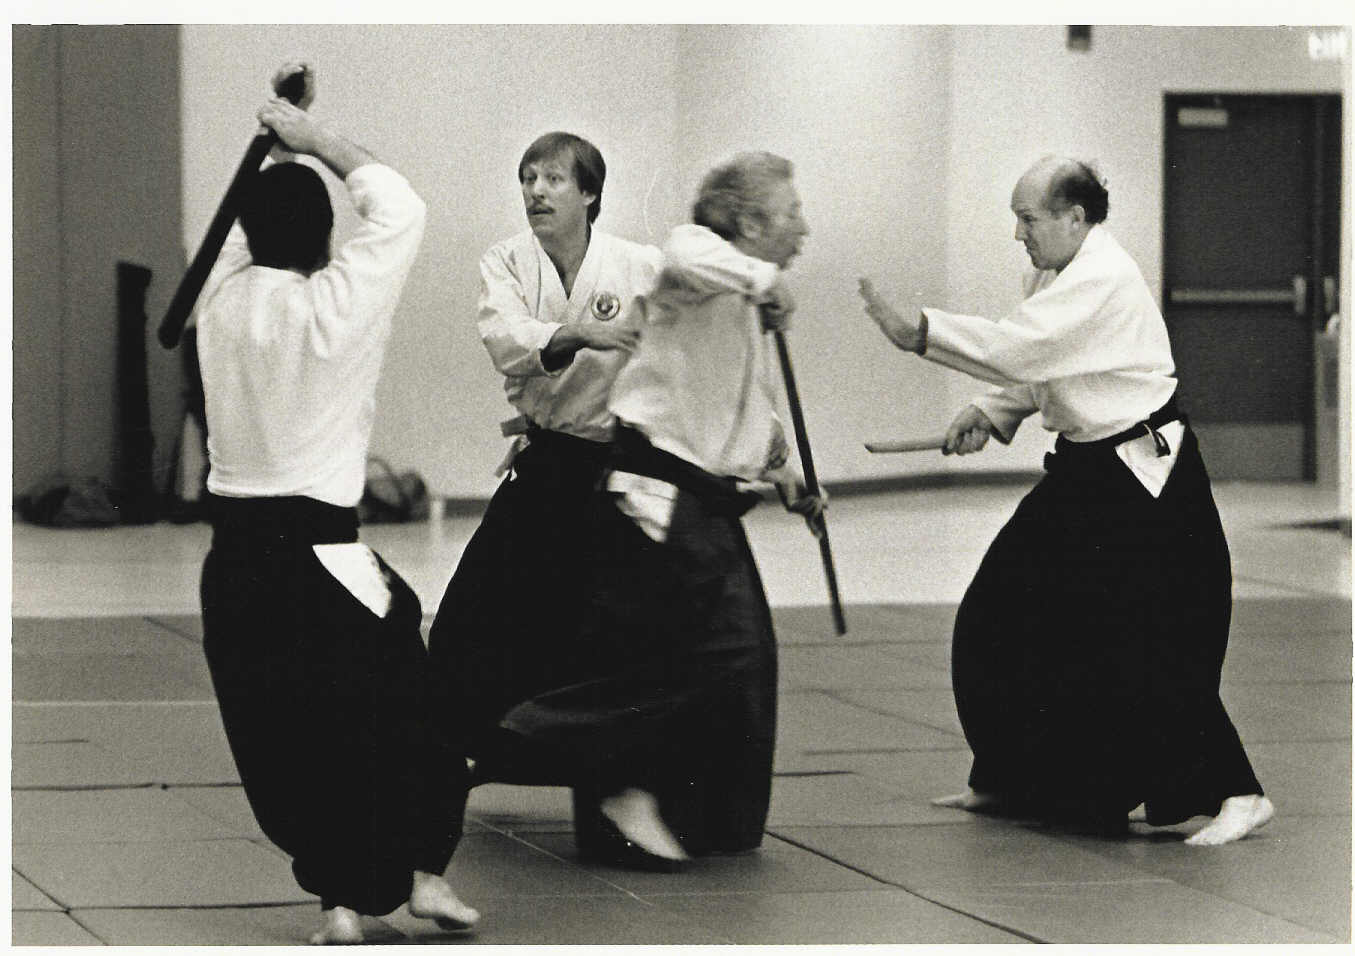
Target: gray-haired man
(674,694)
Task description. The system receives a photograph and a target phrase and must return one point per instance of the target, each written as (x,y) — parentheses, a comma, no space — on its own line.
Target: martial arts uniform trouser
(672,687)
(325,706)
(508,622)
(1089,647)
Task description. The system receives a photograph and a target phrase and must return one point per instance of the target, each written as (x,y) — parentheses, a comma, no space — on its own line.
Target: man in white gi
(1088,649)
(674,689)
(554,316)
(312,640)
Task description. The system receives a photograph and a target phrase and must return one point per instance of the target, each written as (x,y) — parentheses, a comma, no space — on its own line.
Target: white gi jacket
(1087,348)
(290,363)
(702,382)
(523,303)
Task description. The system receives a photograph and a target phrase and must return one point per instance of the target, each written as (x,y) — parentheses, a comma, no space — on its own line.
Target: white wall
(1018,93)
(906,142)
(452,107)
(96,181)
(862,112)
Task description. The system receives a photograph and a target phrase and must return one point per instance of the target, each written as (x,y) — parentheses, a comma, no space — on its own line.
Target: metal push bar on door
(1296,296)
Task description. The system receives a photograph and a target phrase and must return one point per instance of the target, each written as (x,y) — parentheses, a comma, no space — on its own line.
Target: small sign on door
(1202,117)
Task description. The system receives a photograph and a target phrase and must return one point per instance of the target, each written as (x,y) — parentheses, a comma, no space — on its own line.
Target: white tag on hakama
(1140,455)
(355,567)
(647,501)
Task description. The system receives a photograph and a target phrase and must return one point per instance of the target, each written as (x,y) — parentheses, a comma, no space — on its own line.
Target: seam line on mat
(910,891)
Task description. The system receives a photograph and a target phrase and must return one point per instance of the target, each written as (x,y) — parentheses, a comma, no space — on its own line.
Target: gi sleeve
(234,257)
(1058,331)
(361,286)
(512,335)
(698,264)
(1006,408)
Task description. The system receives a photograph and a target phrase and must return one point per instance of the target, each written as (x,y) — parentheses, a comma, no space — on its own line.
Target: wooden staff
(797,417)
(936,442)
(190,287)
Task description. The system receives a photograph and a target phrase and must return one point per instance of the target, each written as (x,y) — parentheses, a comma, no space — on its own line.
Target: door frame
(1325,197)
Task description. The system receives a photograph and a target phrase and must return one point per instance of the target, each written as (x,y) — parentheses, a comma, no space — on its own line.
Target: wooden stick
(934,443)
(190,286)
(811,480)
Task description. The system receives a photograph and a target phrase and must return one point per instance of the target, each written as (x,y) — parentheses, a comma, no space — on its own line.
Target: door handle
(1329,303)
(1296,296)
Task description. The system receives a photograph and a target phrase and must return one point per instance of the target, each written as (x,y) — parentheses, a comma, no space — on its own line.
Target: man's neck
(745,245)
(567,255)
(752,248)
(1081,242)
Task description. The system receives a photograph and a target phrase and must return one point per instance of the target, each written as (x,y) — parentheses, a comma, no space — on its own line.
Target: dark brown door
(1250,248)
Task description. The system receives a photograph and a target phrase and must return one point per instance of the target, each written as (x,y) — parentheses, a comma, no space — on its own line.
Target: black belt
(1149,426)
(564,445)
(633,453)
(282,521)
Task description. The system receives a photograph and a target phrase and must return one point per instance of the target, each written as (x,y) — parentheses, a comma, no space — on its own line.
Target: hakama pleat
(673,688)
(1088,650)
(326,709)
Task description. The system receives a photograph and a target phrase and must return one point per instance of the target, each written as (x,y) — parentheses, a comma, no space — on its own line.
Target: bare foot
(969,800)
(432,898)
(1237,817)
(1139,814)
(636,815)
(340,927)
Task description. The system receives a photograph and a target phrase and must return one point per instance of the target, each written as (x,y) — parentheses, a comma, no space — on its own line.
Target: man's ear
(1079,214)
(588,198)
(750,226)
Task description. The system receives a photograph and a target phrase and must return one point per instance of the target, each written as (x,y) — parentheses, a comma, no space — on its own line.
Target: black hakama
(508,621)
(325,706)
(672,688)
(1088,649)
(510,615)
(556,591)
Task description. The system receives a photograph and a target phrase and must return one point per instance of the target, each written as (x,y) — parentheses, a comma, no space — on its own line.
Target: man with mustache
(554,315)
(1088,649)
(670,706)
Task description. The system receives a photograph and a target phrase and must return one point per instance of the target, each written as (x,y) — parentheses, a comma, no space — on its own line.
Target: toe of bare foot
(433,898)
(340,927)
(969,800)
(467,918)
(1237,817)
(635,813)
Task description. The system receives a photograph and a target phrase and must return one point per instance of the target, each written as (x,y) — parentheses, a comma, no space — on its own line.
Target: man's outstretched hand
(906,333)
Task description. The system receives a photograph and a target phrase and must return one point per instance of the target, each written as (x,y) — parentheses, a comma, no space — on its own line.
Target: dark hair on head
(590,172)
(739,187)
(1076,183)
(287,217)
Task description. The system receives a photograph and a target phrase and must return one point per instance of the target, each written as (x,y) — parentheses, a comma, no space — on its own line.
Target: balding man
(1088,649)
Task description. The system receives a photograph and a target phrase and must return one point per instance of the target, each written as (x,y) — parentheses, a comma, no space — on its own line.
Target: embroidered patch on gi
(606,306)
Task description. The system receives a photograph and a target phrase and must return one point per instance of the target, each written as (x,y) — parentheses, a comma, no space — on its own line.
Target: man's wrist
(339,153)
(560,350)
